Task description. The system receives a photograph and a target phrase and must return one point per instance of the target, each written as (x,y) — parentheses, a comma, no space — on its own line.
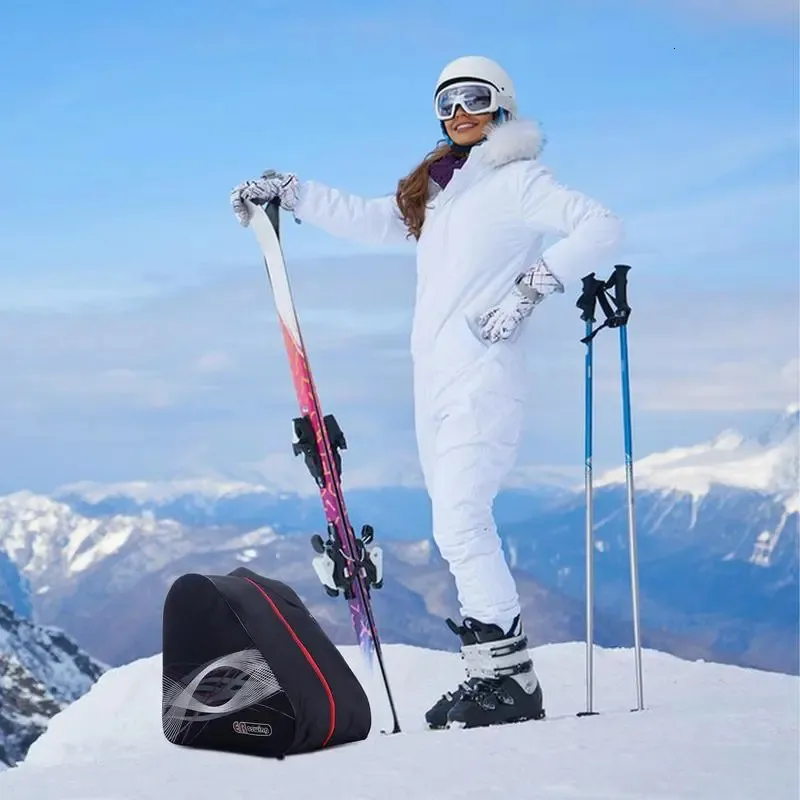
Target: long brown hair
(412,191)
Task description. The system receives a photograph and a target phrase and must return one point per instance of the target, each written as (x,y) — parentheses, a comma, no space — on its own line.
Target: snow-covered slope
(41,671)
(709,732)
(768,463)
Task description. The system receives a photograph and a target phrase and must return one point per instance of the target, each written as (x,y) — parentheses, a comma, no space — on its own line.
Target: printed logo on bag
(252,728)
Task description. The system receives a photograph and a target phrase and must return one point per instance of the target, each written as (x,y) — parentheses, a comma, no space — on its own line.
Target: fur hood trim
(515,140)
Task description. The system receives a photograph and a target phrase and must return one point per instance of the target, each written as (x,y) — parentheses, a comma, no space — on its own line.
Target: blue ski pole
(620,280)
(595,291)
(587,303)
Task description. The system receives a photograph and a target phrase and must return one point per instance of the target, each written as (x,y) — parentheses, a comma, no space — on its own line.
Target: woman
(478,207)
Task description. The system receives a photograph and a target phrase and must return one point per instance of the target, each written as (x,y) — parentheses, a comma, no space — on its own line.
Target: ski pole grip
(620,282)
(273,212)
(588,299)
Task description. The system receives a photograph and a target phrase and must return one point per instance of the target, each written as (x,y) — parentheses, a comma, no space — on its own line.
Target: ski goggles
(474,98)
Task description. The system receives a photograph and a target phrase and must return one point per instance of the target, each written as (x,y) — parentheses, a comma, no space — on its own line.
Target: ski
(345,564)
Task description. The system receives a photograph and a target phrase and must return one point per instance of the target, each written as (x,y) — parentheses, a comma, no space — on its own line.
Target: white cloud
(214,362)
(742,224)
(199,378)
(195,379)
(704,351)
(656,158)
(790,374)
(735,385)
(197,382)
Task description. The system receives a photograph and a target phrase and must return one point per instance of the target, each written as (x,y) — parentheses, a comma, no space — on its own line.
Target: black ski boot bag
(247,669)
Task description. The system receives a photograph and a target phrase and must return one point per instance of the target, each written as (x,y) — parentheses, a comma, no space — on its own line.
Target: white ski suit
(480,232)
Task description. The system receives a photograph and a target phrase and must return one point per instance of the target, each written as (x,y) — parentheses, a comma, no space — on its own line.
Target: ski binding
(337,572)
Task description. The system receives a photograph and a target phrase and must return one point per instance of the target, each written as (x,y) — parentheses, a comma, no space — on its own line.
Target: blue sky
(136,332)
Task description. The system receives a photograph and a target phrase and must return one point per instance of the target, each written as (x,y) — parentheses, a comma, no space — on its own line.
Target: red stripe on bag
(309,658)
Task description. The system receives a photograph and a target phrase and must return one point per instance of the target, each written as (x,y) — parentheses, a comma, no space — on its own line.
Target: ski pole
(620,279)
(587,303)
(596,291)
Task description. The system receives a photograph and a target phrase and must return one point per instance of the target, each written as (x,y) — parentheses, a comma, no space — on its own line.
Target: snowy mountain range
(718,543)
(104,580)
(396,512)
(708,732)
(718,538)
(767,463)
(41,671)
(766,466)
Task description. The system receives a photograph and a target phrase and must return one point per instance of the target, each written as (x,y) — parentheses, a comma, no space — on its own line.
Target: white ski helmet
(482,70)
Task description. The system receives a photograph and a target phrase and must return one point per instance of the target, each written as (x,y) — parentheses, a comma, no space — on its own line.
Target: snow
(161,492)
(40,534)
(278,476)
(417,553)
(41,670)
(114,538)
(52,658)
(247,555)
(709,731)
(287,477)
(48,540)
(766,464)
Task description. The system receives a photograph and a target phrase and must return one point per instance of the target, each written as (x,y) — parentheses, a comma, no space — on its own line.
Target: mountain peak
(768,463)
(786,426)
(41,671)
(161,491)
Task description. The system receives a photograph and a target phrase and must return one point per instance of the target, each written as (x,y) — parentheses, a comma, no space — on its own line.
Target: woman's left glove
(530,288)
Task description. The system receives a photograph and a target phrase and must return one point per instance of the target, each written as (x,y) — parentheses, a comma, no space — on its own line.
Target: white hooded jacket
(481,231)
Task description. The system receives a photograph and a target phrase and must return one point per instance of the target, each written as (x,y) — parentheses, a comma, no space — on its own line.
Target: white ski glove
(270,186)
(530,288)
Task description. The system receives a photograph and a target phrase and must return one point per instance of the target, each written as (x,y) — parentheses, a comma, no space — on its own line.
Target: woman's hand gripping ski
(270,186)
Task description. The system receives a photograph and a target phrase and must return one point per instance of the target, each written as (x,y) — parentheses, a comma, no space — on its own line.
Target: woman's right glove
(270,186)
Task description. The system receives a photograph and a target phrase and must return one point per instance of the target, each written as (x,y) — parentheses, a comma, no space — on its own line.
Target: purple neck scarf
(442,170)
